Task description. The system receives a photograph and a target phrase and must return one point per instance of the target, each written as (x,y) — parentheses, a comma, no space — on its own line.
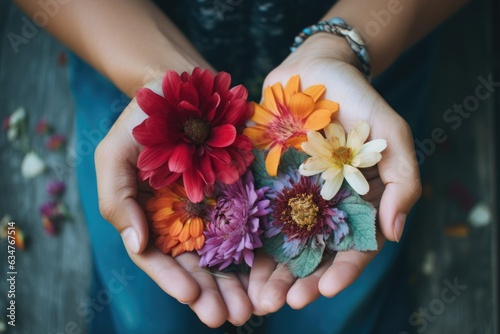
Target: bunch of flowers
(224,189)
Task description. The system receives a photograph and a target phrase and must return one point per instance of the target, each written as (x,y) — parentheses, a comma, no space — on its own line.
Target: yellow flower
(336,158)
(285,116)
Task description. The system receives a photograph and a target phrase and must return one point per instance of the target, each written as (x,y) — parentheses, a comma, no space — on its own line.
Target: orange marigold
(176,222)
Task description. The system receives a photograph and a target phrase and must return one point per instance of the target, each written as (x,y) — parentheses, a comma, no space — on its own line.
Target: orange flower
(176,222)
(285,116)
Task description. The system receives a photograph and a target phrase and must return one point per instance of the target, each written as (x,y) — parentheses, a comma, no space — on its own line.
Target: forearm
(131,46)
(391,26)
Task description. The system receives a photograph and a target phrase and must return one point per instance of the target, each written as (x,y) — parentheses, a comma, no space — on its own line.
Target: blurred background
(453,242)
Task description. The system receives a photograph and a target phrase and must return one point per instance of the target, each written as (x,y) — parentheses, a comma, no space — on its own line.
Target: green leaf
(274,246)
(306,261)
(292,158)
(262,178)
(361,220)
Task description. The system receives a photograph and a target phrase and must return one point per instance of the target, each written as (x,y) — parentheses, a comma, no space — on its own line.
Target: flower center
(283,128)
(303,210)
(197,130)
(195,209)
(342,155)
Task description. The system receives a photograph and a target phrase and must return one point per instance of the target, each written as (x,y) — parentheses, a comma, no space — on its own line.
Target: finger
(272,295)
(262,269)
(235,298)
(306,290)
(115,160)
(209,306)
(346,267)
(168,274)
(399,172)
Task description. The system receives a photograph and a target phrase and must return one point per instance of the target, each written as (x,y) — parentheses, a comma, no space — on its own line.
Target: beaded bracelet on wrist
(338,27)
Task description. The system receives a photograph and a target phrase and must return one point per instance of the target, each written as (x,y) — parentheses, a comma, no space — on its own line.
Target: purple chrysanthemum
(303,215)
(233,233)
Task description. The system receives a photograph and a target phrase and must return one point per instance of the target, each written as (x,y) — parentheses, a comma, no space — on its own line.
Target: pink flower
(193,131)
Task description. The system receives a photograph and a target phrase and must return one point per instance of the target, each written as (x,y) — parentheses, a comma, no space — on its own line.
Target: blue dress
(230,33)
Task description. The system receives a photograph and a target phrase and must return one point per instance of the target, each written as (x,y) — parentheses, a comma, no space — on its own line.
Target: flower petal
(335,134)
(313,166)
(316,145)
(356,180)
(204,166)
(261,116)
(292,87)
(221,136)
(258,136)
(269,102)
(301,105)
(193,184)
(357,136)
(367,159)
(277,90)
(273,159)
(296,141)
(203,80)
(239,92)
(153,157)
(196,227)
(377,145)
(150,102)
(332,172)
(222,81)
(327,104)
(176,228)
(189,93)
(184,235)
(331,187)
(315,91)
(318,119)
(181,158)
(170,86)
(162,177)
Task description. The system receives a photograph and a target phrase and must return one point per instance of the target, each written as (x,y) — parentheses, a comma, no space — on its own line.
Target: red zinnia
(192,130)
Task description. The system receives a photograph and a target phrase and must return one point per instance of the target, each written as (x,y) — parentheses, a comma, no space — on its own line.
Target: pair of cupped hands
(394,189)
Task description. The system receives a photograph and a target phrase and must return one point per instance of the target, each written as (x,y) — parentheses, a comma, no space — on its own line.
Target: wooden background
(54,272)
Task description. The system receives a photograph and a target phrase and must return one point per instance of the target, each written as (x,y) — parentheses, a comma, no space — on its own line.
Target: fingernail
(399,225)
(131,239)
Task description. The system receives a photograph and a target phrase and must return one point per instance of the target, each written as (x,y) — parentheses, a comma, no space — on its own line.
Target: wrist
(328,46)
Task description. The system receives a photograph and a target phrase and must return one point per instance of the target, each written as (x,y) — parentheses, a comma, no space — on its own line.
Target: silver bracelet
(338,27)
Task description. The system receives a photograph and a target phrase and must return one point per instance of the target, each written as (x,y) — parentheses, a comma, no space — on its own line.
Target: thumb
(399,171)
(115,162)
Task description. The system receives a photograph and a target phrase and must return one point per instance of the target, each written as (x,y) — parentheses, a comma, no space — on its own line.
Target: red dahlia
(193,130)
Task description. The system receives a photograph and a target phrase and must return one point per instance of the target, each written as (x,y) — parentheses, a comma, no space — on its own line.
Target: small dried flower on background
(56,142)
(56,188)
(43,127)
(19,238)
(53,213)
(32,165)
